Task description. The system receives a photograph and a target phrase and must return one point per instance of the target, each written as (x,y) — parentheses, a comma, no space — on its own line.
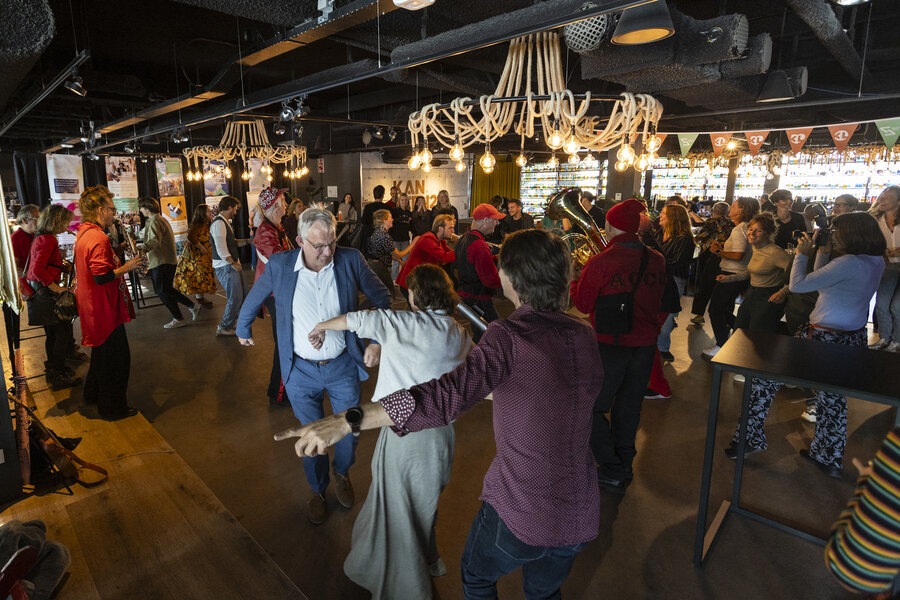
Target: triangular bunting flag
(686,140)
(755,140)
(662,137)
(718,141)
(841,134)
(889,130)
(797,137)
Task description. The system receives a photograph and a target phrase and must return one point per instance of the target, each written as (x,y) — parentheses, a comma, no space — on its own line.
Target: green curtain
(504,181)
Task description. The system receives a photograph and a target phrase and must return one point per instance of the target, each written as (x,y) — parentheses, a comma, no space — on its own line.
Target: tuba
(566,204)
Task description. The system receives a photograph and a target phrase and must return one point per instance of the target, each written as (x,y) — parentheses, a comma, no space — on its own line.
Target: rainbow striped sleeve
(864,549)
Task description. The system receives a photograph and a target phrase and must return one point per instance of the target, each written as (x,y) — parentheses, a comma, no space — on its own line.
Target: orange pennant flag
(797,137)
(841,134)
(755,140)
(718,141)
(662,137)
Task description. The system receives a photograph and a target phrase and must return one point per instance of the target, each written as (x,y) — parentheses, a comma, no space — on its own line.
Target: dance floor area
(202,503)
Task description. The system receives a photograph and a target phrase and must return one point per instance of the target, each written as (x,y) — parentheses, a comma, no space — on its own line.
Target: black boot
(60,380)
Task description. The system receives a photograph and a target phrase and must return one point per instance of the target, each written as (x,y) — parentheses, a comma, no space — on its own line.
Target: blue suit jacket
(352,275)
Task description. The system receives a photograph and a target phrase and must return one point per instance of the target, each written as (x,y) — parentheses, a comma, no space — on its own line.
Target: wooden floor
(154,530)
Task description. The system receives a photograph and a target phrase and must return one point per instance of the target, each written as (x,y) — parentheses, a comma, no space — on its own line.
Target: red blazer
(45,263)
(269,240)
(427,249)
(101,307)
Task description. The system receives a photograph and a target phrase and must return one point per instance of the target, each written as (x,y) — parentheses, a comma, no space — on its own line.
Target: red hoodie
(426,249)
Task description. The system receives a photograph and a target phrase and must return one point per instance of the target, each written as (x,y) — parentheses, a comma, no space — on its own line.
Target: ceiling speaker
(586,36)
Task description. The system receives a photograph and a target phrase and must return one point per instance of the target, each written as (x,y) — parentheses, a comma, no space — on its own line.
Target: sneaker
(809,415)
(698,320)
(437,568)
(738,378)
(667,356)
(195,311)
(316,510)
(222,331)
(174,324)
(880,344)
(651,395)
(343,489)
(710,352)
(893,347)
(732,450)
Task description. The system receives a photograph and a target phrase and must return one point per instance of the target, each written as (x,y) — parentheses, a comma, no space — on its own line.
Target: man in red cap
(475,267)
(627,272)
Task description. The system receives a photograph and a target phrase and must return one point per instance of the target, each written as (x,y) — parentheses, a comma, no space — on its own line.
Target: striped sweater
(864,549)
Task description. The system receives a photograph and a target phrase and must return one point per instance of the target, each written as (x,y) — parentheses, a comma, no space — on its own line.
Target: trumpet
(137,252)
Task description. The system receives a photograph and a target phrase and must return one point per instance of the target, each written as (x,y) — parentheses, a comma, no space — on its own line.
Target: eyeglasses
(319,248)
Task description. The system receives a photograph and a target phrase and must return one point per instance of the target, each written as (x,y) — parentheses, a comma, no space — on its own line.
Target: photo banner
(171,195)
(841,134)
(889,130)
(258,181)
(755,140)
(719,140)
(65,175)
(121,176)
(217,184)
(797,137)
(686,140)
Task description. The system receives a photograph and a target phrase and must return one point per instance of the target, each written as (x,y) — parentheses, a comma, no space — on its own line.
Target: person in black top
(787,221)
(596,213)
(421,218)
(401,229)
(367,213)
(517,220)
(497,235)
(443,206)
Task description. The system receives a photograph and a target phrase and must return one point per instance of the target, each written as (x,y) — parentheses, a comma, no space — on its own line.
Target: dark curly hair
(539,266)
(432,288)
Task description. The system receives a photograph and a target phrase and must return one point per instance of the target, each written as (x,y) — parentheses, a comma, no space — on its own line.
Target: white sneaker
(437,568)
(880,344)
(893,347)
(220,331)
(174,324)
(809,414)
(738,378)
(711,352)
(195,311)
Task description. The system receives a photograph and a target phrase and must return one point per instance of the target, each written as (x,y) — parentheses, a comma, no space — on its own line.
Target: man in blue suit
(315,283)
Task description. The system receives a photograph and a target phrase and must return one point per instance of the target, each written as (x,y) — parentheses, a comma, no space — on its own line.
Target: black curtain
(94,171)
(31,178)
(146,177)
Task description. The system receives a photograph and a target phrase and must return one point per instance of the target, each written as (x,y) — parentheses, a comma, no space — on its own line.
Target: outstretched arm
(314,439)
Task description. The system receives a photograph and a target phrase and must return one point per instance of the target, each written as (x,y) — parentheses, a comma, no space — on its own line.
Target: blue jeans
(492,551)
(305,389)
(887,304)
(233,284)
(664,341)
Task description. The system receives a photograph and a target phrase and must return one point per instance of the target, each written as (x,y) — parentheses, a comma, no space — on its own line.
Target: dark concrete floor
(206,396)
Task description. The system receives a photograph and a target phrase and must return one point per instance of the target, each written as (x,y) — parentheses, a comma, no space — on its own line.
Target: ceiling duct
(26,29)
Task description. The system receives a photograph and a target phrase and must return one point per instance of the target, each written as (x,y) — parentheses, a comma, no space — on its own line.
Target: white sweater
(415,346)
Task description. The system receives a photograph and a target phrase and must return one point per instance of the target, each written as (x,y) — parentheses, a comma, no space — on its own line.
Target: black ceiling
(145,53)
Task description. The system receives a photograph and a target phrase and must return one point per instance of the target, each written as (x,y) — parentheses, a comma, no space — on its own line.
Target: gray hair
(314,215)
(720,209)
(27,212)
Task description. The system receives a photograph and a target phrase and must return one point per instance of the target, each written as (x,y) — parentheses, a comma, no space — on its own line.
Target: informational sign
(320,165)
(66,176)
(415,183)
(217,183)
(332,191)
(258,180)
(121,176)
(171,195)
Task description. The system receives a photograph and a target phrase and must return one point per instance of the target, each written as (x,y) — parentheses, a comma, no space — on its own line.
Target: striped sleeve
(864,549)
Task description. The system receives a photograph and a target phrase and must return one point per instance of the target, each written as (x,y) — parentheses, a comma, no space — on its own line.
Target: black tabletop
(858,372)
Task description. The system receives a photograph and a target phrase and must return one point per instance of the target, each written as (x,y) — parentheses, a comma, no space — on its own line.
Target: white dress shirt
(218,232)
(315,300)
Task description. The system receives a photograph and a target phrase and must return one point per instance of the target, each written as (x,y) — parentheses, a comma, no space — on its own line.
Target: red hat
(486,211)
(269,195)
(626,216)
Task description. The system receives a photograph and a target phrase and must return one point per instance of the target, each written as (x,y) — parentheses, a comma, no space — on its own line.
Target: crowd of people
(801,273)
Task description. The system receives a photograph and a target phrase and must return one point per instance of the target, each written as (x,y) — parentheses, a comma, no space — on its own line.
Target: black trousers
(107,378)
(275,375)
(721,308)
(757,313)
(626,372)
(705,283)
(162,277)
(57,344)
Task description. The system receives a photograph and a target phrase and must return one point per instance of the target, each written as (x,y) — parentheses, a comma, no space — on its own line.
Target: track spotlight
(392,134)
(302,109)
(378,133)
(298,130)
(287,113)
(279,128)
(76,85)
(129,147)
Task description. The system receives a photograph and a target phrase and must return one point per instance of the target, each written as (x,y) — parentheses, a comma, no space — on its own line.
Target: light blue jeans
(664,341)
(887,304)
(233,284)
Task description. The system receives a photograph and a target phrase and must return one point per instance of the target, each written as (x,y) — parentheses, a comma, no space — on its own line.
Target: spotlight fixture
(93,156)
(298,130)
(302,110)
(279,128)
(378,133)
(392,134)
(644,24)
(777,88)
(287,113)
(76,85)
(129,147)
(64,145)
(179,136)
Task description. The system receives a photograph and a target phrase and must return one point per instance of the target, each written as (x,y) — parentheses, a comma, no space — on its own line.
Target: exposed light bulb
(413,163)
(589,159)
(555,140)
(625,153)
(227,172)
(621,166)
(731,145)
(571,146)
(521,160)
(245,175)
(460,167)
(425,156)
(487,160)
(268,178)
(286,173)
(643,163)
(553,162)
(303,172)
(652,144)
(426,168)
(488,171)
(574,159)
(457,152)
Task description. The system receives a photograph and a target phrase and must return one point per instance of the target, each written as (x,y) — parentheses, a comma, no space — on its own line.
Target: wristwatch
(354,416)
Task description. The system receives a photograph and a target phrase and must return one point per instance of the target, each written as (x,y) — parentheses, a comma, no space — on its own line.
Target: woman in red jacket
(102,307)
(271,239)
(45,270)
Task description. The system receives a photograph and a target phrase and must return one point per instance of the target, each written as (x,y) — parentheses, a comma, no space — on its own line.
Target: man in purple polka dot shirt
(540,495)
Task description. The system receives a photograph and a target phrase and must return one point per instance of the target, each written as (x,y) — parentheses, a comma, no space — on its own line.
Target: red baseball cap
(486,211)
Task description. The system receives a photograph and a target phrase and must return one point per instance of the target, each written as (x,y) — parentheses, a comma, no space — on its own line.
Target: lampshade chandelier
(245,140)
(532,88)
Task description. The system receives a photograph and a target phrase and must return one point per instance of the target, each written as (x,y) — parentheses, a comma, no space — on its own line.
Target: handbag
(42,308)
(614,313)
(66,308)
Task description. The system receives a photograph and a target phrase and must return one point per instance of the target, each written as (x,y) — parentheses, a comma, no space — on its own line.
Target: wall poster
(171,195)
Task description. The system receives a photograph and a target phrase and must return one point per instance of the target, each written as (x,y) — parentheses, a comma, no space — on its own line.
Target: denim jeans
(306,389)
(887,304)
(664,341)
(492,551)
(233,284)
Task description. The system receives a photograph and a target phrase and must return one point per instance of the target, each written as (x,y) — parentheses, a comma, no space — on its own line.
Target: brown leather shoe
(343,489)
(316,511)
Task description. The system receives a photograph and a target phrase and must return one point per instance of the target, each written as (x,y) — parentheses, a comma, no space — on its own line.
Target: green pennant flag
(889,130)
(686,140)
